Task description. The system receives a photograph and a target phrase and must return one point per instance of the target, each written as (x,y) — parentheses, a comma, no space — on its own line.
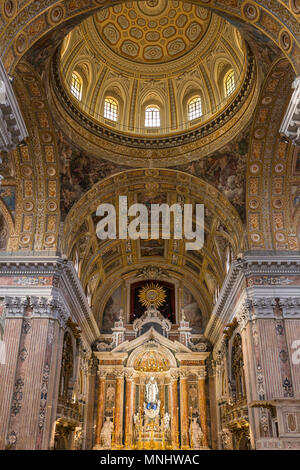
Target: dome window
(111,109)
(152,116)
(76,86)
(229,83)
(195,108)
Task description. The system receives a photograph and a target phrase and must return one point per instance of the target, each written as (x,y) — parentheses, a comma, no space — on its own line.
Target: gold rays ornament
(152,294)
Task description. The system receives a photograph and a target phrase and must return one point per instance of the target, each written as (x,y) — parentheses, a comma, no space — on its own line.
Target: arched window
(111,109)
(229,83)
(76,85)
(195,108)
(152,116)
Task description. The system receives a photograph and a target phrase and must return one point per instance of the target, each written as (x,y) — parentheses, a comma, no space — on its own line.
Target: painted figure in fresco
(3,233)
(106,433)
(225,170)
(192,311)
(296,200)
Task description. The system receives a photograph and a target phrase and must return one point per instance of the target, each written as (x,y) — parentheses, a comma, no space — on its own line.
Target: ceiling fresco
(79,172)
(225,170)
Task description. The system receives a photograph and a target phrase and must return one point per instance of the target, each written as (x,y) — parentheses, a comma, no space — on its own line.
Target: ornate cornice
(41,307)
(63,291)
(255,301)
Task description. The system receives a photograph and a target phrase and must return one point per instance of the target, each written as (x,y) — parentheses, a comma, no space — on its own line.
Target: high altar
(152,391)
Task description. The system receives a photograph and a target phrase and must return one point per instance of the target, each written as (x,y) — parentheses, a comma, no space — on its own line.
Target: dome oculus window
(152,116)
(76,86)
(111,109)
(229,83)
(195,108)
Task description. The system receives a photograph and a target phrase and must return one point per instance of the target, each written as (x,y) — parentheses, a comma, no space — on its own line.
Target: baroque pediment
(151,337)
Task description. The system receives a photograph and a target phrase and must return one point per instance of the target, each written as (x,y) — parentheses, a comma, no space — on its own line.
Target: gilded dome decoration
(156,55)
(152,31)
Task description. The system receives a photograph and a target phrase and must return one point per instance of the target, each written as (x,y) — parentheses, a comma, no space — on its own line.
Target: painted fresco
(8,195)
(112,311)
(192,311)
(226,170)
(3,233)
(79,172)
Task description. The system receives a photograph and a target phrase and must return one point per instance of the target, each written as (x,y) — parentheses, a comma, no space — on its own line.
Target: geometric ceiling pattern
(155,30)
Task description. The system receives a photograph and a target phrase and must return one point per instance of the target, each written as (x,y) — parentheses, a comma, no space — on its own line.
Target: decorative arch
(126,259)
(161,350)
(36,219)
(270,167)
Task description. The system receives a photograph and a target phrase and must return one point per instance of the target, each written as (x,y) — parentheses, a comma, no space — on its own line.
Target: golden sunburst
(152,294)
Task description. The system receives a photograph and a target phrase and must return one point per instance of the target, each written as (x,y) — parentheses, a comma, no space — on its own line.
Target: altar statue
(106,433)
(195,434)
(151,391)
(166,422)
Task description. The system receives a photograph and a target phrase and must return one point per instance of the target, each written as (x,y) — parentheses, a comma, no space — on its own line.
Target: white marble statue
(2,92)
(166,422)
(106,433)
(151,391)
(195,434)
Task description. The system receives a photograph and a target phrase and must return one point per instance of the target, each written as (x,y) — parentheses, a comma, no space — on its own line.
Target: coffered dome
(155,31)
(154,69)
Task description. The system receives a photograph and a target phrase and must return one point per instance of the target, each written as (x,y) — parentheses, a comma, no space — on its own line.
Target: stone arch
(269,167)
(37,204)
(127,259)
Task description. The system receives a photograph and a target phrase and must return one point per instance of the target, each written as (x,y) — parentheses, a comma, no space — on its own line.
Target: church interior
(141,344)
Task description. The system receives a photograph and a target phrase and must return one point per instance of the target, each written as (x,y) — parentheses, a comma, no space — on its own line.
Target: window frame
(111,109)
(154,120)
(197,111)
(229,83)
(76,90)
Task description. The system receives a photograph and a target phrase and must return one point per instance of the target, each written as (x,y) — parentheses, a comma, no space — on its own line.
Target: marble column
(174,411)
(129,407)
(184,410)
(118,428)
(141,393)
(202,406)
(100,407)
